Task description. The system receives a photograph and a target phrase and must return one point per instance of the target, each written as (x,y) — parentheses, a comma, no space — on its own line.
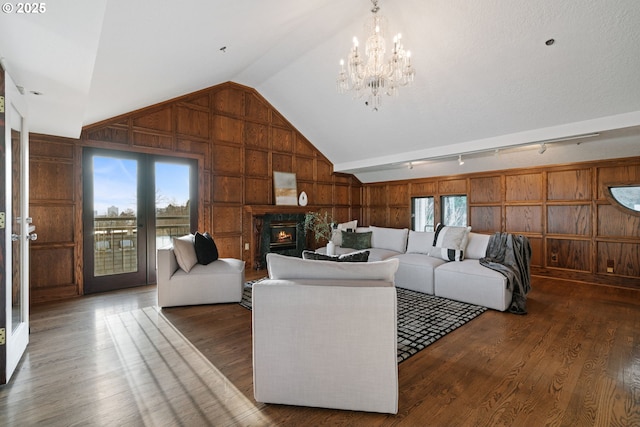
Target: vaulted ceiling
(486,80)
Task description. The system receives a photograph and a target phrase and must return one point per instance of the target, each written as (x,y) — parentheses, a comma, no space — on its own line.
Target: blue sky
(114,184)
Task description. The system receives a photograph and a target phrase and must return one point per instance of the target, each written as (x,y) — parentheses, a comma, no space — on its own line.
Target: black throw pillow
(318,256)
(206,249)
(360,256)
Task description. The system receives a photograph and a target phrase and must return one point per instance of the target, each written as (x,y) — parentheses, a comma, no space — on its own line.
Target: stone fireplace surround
(265,248)
(261,218)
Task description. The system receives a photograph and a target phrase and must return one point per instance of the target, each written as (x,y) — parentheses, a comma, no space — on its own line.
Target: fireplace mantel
(261,210)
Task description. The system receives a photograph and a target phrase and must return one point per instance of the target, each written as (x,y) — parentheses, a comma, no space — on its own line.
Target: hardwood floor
(113,359)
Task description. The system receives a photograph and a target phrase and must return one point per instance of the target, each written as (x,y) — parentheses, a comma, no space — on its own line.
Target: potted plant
(321,225)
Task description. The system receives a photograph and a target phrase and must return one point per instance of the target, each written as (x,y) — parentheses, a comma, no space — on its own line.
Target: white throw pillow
(185,252)
(336,234)
(420,242)
(394,239)
(477,246)
(450,242)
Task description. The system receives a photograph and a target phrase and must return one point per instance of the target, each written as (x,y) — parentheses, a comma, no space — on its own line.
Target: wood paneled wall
(238,138)
(574,229)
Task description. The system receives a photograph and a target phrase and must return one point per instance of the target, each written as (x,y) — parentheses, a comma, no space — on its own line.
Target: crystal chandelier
(374,74)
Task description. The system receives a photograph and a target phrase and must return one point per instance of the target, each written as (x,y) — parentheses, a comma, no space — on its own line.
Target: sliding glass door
(133,203)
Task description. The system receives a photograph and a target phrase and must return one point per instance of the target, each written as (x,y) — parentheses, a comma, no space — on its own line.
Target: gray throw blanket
(511,256)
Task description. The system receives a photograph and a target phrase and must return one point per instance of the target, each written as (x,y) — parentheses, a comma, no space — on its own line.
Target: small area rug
(422,319)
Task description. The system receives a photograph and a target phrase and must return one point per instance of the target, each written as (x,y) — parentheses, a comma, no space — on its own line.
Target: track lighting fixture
(543,148)
(460,161)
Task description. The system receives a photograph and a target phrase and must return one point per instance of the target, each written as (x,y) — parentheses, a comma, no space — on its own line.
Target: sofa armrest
(166,264)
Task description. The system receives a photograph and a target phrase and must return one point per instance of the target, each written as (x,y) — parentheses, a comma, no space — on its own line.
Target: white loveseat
(324,334)
(465,280)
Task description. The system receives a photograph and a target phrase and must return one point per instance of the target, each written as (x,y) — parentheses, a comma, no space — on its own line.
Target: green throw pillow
(356,240)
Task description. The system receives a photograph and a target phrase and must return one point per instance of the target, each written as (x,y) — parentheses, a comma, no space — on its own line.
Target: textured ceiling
(485,77)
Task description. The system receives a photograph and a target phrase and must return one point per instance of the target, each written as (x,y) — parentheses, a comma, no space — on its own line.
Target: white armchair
(218,282)
(325,335)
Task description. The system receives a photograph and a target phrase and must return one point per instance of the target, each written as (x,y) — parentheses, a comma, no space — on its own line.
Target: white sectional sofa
(465,280)
(325,334)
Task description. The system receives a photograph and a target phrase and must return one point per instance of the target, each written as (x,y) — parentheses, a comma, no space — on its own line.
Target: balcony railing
(116,241)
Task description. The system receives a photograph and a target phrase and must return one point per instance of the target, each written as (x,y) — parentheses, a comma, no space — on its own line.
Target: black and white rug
(422,319)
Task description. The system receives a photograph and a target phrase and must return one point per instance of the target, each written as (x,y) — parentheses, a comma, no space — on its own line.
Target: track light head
(543,148)
(460,161)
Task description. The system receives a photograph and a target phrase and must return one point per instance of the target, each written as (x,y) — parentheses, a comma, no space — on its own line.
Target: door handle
(15,237)
(32,236)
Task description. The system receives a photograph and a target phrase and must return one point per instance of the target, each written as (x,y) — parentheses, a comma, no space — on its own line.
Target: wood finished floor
(112,359)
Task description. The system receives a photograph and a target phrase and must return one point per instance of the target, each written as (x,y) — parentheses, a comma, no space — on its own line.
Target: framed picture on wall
(285,188)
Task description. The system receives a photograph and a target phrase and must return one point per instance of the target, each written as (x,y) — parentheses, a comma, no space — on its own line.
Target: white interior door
(18,226)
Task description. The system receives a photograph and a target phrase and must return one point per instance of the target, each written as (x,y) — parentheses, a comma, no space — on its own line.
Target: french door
(132,204)
(18,232)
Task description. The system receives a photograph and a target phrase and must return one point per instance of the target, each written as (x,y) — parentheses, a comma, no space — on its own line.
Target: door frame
(16,339)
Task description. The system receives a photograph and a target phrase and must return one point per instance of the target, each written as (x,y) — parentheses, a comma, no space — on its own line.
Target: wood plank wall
(564,210)
(238,138)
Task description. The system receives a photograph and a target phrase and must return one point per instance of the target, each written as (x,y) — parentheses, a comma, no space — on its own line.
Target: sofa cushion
(476,245)
(356,240)
(450,242)
(416,271)
(185,252)
(394,239)
(420,242)
(470,282)
(285,267)
(206,249)
(336,235)
(358,256)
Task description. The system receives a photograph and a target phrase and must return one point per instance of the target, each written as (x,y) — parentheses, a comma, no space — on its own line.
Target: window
(627,196)
(454,210)
(422,213)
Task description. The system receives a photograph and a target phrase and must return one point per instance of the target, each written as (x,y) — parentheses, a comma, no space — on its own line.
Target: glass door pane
(172,201)
(16,229)
(115,241)
(115,220)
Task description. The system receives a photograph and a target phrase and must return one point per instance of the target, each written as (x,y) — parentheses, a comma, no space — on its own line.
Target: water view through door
(134,203)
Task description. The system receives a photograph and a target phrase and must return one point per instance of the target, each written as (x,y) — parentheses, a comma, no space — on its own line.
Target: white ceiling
(485,78)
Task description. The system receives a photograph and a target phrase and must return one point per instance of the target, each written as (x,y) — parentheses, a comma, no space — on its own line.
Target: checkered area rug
(422,319)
